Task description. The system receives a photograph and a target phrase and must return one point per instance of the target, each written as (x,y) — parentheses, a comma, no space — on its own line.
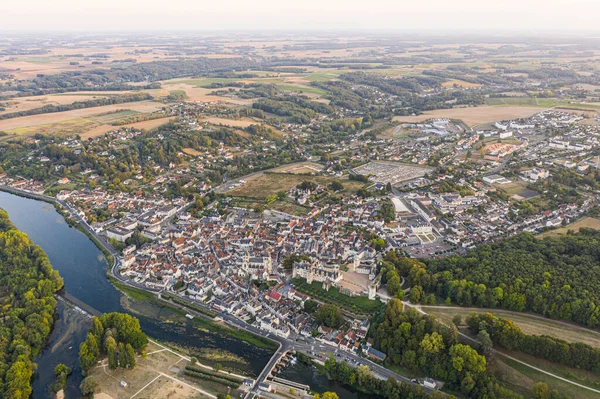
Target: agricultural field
(244,122)
(78,121)
(538,102)
(587,222)
(27,103)
(528,323)
(196,93)
(473,116)
(460,83)
(147,125)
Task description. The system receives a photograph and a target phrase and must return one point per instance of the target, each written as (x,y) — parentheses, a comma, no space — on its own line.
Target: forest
(27,286)
(557,277)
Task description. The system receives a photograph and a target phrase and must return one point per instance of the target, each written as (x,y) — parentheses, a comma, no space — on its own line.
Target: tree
(329,315)
(466,359)
(327,395)
(131,360)
(393,283)
(218,367)
(310,306)
(457,320)
(415,294)
(486,342)
(541,390)
(88,386)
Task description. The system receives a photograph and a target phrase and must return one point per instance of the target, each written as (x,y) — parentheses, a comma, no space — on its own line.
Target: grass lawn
(359,304)
(270,183)
(579,376)
(153,378)
(528,323)
(520,376)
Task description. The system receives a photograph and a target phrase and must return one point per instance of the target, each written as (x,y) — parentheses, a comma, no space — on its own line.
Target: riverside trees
(115,335)
(27,285)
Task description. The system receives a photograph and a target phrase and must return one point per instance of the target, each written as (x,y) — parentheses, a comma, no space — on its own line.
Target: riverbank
(84,270)
(140,294)
(201,319)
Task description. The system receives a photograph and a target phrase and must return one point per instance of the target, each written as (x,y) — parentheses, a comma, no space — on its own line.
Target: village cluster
(234,261)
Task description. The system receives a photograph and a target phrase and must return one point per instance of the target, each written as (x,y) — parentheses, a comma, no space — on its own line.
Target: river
(83,269)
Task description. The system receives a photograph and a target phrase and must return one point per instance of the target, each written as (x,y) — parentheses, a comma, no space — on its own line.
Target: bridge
(78,304)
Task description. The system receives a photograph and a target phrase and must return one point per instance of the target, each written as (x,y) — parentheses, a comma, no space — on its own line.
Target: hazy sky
(521,15)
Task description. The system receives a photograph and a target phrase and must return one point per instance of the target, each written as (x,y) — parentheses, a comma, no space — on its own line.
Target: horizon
(333,15)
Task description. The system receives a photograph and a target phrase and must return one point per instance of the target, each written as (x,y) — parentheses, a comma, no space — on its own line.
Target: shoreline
(113,277)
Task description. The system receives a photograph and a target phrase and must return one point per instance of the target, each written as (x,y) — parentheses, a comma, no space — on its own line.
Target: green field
(537,102)
(322,76)
(303,89)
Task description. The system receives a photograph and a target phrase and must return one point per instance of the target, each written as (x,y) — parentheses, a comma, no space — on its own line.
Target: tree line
(421,343)
(504,333)
(27,286)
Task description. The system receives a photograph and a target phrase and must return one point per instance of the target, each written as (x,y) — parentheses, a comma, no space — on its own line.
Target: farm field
(587,222)
(473,116)
(265,184)
(528,323)
(147,125)
(197,93)
(28,103)
(460,83)
(71,122)
(538,102)
(245,122)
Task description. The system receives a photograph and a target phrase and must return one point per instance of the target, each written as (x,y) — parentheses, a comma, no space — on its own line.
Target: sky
(401,15)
